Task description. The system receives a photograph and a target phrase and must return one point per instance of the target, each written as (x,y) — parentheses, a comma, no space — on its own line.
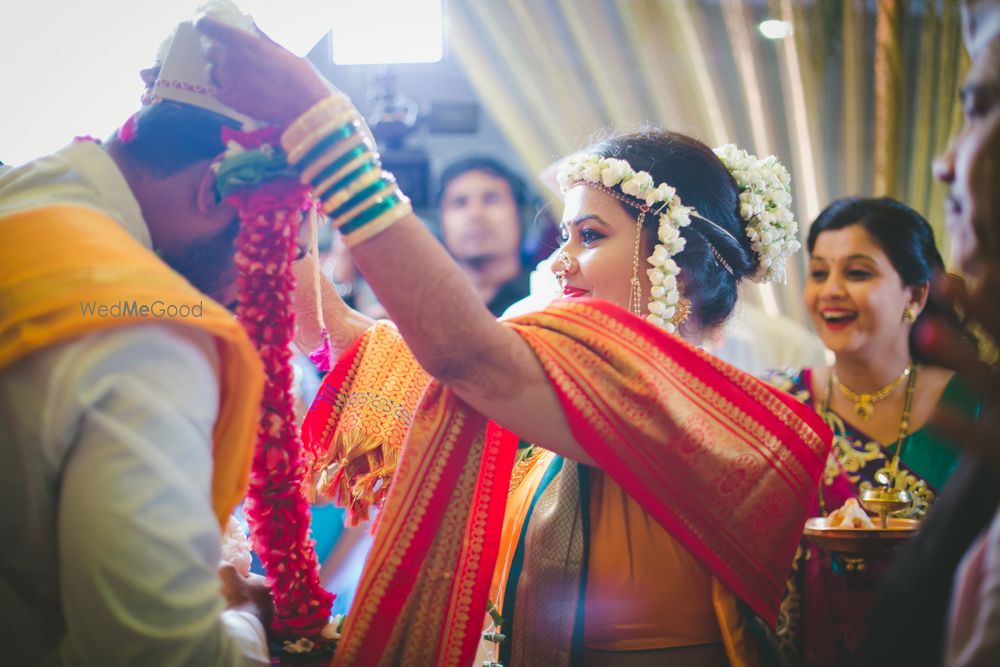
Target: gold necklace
(901,436)
(864,403)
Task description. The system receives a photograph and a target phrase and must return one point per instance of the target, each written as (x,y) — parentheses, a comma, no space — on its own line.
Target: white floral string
(662,200)
(765,204)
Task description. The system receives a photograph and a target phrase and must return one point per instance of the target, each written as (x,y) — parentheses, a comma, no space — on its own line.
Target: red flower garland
(276,506)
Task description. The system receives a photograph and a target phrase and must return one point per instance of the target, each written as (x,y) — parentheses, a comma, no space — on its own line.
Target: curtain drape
(857,101)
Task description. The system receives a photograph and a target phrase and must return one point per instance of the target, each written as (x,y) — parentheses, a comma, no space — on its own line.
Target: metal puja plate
(860,540)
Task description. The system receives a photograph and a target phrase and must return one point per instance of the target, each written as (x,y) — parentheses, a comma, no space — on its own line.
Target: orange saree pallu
(725,463)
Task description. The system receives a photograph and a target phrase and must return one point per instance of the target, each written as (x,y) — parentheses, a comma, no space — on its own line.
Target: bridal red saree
(725,463)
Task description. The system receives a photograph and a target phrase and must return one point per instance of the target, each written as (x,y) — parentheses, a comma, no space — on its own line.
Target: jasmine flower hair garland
(764,205)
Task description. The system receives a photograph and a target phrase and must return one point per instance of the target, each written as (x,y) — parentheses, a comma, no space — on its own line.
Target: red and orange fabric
(726,464)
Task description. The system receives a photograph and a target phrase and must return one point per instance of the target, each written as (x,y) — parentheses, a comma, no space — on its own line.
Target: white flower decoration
(661,199)
(765,206)
(765,201)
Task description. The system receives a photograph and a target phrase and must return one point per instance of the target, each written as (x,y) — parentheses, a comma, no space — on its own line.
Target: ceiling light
(774,29)
(387,31)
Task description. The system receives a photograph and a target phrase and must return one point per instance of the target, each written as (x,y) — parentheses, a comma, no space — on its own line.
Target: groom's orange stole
(725,463)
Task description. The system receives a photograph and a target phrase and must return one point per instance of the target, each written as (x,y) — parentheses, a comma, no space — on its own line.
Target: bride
(654,515)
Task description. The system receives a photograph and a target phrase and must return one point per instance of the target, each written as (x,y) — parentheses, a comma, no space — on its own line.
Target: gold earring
(909,316)
(635,287)
(682,310)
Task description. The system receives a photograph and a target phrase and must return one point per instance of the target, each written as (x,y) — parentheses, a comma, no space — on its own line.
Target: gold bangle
(309,141)
(342,196)
(341,148)
(303,127)
(299,131)
(380,224)
(361,207)
(360,160)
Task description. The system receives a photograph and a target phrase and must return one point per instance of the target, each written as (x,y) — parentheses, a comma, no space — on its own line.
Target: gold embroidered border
(404,512)
(461,600)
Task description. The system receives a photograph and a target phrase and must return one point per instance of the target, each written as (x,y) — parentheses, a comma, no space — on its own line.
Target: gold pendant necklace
(864,403)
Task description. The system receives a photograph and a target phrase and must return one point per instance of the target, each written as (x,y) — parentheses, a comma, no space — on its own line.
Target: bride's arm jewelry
(442,318)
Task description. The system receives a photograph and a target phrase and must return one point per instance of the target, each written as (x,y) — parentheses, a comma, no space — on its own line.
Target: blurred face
(971,165)
(191,231)
(599,235)
(479,217)
(208,263)
(854,295)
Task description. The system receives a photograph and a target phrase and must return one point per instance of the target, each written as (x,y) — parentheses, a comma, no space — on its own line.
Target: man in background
(481,202)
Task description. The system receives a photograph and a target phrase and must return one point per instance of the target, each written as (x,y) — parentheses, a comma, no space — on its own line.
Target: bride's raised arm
(439,314)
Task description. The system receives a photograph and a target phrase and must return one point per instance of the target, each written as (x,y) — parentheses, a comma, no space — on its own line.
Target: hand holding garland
(335,323)
(247,593)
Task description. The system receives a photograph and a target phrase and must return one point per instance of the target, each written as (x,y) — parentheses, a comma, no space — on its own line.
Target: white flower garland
(661,200)
(765,204)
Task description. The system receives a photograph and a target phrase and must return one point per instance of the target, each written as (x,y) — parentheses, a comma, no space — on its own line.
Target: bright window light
(774,29)
(295,24)
(72,68)
(90,84)
(387,31)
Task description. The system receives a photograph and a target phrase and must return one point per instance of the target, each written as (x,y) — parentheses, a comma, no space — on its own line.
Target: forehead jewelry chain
(635,287)
(864,403)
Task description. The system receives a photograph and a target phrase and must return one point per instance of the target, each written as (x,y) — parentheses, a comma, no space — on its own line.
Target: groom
(126,435)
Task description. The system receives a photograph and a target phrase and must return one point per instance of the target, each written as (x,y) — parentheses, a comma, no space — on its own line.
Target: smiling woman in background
(870,266)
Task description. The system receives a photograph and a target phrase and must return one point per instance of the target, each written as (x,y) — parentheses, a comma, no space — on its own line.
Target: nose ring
(567,263)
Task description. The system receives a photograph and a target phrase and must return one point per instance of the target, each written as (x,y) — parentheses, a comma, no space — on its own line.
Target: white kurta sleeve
(138,542)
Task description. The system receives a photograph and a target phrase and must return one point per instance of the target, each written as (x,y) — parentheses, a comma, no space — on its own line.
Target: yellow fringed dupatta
(355,436)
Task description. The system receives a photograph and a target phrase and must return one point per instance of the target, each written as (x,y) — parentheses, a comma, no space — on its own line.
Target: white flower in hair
(661,193)
(613,172)
(659,256)
(660,199)
(590,172)
(765,205)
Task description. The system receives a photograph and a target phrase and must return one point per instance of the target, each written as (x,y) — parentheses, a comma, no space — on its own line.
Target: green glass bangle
(369,214)
(341,133)
(371,189)
(335,166)
(347,180)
